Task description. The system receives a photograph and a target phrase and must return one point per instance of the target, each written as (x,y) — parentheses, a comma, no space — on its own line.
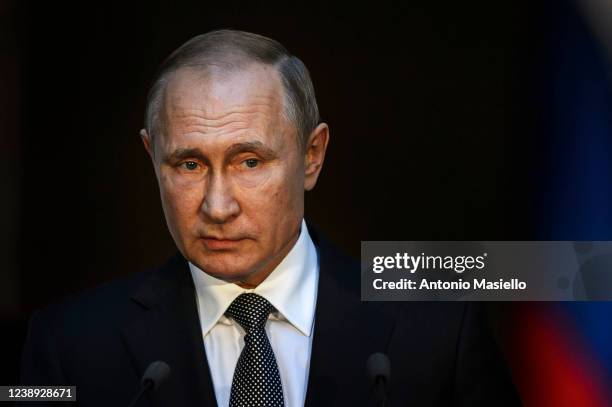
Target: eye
(251,162)
(190,165)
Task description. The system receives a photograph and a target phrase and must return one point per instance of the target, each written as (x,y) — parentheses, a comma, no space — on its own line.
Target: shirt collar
(291,288)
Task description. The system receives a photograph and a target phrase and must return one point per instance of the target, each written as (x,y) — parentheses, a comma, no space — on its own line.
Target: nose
(219,204)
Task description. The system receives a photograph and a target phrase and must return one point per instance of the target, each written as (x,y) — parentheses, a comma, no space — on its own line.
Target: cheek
(257,180)
(267,188)
(181,200)
(275,201)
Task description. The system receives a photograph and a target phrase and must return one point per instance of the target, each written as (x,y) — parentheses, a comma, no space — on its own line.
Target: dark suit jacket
(102,340)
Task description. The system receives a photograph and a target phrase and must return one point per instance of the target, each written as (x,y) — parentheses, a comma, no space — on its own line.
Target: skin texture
(231,173)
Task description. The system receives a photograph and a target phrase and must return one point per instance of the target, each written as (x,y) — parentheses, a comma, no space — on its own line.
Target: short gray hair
(227,47)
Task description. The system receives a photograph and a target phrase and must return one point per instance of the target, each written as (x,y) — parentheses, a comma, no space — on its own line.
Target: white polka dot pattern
(256,379)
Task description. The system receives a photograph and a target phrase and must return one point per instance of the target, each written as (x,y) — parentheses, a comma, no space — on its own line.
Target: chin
(224,271)
(230,277)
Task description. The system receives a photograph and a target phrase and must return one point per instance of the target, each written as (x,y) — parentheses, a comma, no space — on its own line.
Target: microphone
(155,374)
(378,367)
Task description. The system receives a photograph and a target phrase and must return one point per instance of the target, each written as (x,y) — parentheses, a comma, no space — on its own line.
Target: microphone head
(378,366)
(156,373)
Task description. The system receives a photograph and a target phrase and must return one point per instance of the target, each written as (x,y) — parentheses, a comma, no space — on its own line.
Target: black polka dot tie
(256,379)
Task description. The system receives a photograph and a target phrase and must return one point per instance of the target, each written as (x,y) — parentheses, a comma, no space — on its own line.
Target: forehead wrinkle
(217,116)
(195,120)
(200,115)
(234,131)
(192,121)
(259,104)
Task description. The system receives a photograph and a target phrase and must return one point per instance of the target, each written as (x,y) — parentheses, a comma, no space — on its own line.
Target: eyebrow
(235,149)
(183,153)
(251,146)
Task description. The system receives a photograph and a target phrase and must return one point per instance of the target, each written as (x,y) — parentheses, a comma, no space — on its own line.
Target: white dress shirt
(292,289)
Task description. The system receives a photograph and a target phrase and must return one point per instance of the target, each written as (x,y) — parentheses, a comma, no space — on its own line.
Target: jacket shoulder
(95,303)
(98,310)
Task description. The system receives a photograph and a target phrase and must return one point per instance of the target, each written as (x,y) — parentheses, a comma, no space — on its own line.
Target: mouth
(213,243)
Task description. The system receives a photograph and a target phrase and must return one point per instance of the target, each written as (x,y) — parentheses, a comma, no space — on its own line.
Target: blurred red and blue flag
(562,352)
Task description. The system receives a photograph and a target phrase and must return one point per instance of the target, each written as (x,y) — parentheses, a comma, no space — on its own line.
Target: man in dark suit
(256,309)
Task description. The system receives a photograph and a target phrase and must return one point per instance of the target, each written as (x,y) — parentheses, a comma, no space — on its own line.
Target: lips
(213,243)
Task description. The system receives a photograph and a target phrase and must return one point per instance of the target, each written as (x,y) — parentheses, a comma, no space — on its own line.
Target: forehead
(217,92)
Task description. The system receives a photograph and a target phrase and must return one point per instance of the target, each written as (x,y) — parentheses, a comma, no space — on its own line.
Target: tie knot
(250,310)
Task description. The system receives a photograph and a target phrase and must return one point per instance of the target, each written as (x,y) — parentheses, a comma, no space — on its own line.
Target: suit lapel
(346,332)
(169,330)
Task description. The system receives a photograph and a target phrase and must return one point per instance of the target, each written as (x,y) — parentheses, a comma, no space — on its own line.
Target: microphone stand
(146,386)
(380,388)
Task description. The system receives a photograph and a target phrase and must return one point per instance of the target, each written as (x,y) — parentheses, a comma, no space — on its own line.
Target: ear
(146,140)
(315,154)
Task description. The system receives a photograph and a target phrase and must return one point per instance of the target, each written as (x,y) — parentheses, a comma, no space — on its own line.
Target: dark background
(434,133)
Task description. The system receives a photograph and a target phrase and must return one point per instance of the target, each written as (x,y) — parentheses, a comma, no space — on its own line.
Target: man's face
(230,171)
